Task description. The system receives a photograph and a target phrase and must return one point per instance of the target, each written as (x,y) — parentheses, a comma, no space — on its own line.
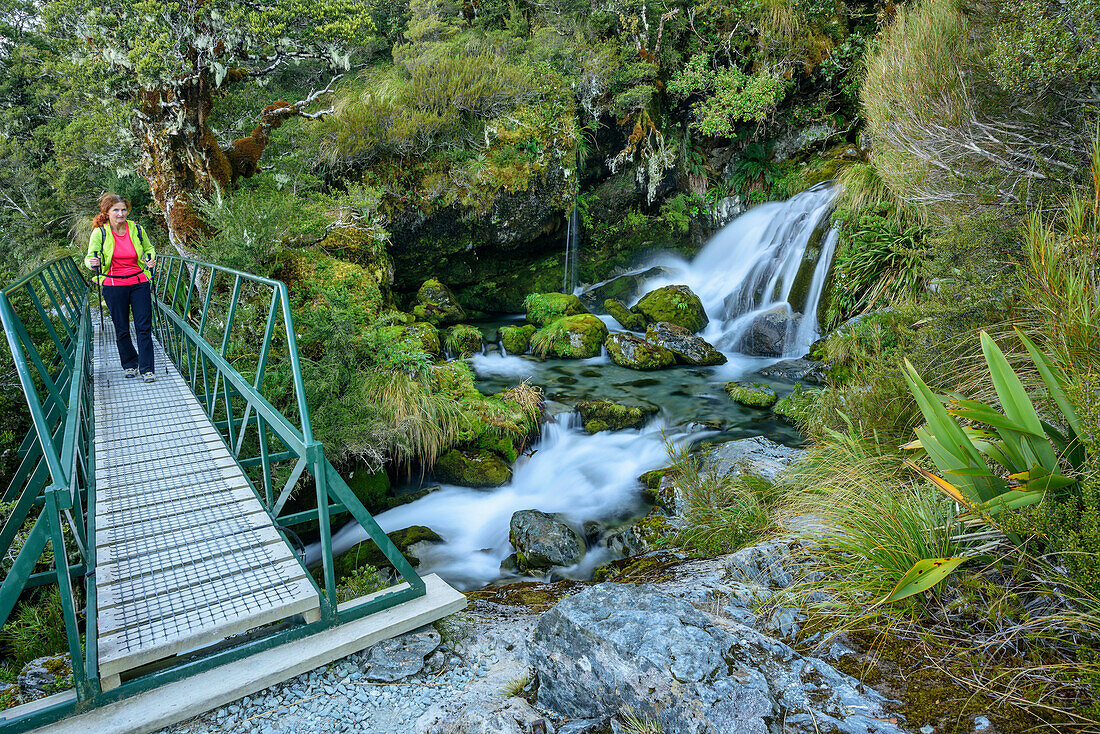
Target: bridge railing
(231,335)
(213,323)
(48,330)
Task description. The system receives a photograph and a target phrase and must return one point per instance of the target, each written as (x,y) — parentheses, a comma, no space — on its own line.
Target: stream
(775,257)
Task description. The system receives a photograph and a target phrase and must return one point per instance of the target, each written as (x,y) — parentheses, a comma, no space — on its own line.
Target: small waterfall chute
(572,246)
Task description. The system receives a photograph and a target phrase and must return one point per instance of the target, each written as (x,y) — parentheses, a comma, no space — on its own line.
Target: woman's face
(117,213)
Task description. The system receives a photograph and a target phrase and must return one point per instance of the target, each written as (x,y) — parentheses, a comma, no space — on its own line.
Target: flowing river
(775,257)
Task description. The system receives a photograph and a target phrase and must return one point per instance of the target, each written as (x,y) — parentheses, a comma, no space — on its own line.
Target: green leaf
(1054,381)
(924,574)
(1015,402)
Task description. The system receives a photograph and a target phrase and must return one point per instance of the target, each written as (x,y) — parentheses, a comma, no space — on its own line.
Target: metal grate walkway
(186,554)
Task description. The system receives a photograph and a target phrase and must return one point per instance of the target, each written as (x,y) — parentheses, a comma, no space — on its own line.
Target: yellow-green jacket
(103,244)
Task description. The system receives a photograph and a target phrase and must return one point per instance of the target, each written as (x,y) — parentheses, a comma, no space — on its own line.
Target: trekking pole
(152,289)
(98,269)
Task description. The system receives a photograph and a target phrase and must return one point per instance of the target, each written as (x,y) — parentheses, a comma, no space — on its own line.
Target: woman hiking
(122,257)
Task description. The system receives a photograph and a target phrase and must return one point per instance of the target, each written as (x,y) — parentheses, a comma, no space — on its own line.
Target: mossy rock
(437,305)
(571,337)
(603,415)
(688,348)
(517,339)
(368,554)
(676,304)
(634,352)
(423,334)
(472,468)
(546,308)
(627,318)
(798,405)
(752,394)
(463,340)
(652,479)
(369,487)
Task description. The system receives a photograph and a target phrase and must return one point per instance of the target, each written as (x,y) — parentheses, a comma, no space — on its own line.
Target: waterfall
(763,262)
(572,245)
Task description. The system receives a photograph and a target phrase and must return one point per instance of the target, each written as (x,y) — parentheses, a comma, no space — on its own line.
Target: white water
(750,265)
(583,477)
(746,268)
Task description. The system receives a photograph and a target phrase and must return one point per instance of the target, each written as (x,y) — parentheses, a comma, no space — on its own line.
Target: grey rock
(584,726)
(615,645)
(797,370)
(758,455)
(727,210)
(769,332)
(797,140)
(688,348)
(543,540)
(400,657)
(514,716)
(45,675)
(633,352)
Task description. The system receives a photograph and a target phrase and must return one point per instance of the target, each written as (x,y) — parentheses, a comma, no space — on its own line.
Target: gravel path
(482,652)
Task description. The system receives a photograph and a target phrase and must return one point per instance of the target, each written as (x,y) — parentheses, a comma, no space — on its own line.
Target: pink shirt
(124,262)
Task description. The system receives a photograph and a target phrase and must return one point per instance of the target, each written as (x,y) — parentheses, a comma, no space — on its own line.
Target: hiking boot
(149,377)
(131,372)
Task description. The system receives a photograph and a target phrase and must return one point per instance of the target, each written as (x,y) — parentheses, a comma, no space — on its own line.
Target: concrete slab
(175,702)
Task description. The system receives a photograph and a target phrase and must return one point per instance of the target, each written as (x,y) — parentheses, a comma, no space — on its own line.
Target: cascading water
(764,260)
(572,245)
(760,263)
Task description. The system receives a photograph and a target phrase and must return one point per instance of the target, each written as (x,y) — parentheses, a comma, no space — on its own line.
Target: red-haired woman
(127,256)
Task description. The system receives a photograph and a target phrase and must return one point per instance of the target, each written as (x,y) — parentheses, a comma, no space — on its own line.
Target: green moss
(436,304)
(517,339)
(472,468)
(633,352)
(752,394)
(676,304)
(652,479)
(623,315)
(571,337)
(545,308)
(369,487)
(368,554)
(602,415)
(422,335)
(463,340)
(798,405)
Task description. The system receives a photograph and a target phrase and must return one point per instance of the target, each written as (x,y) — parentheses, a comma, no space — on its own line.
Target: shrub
(35,628)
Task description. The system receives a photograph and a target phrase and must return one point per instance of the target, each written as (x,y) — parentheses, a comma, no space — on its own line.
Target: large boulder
(472,468)
(797,370)
(516,339)
(758,455)
(546,308)
(421,333)
(572,337)
(627,350)
(673,303)
(542,541)
(626,318)
(463,340)
(688,348)
(769,332)
(603,415)
(617,646)
(437,305)
(751,394)
(43,676)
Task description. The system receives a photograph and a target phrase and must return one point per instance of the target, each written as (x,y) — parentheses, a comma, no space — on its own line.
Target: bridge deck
(185,553)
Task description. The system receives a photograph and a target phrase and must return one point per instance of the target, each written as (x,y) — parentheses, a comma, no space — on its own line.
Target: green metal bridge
(171,510)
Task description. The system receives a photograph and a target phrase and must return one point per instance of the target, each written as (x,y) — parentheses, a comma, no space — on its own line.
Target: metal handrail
(57,469)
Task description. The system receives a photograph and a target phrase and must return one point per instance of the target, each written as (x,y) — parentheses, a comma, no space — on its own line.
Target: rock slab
(616,645)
